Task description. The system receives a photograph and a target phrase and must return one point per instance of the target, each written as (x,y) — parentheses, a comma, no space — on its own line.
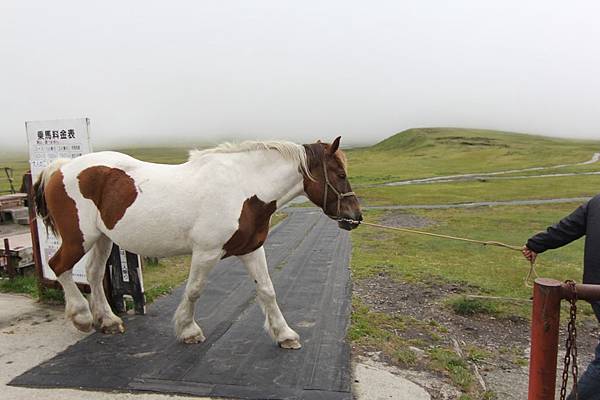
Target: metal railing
(545,323)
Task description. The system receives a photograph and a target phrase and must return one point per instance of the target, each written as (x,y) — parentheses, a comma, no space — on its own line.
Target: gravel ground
(506,339)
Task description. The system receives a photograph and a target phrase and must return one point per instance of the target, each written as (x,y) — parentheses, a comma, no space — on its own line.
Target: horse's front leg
(186,328)
(275,323)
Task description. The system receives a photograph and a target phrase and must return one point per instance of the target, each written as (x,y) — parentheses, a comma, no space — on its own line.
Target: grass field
(19,164)
(409,257)
(166,155)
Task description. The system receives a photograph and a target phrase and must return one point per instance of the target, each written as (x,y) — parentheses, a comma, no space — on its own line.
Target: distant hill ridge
(416,138)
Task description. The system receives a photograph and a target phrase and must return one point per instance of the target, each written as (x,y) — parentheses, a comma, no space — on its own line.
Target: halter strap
(339,195)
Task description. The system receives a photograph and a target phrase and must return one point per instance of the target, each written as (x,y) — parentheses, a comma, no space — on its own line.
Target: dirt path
(479,204)
(491,178)
(494,175)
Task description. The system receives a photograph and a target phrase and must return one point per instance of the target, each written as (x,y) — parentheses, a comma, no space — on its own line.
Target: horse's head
(328,186)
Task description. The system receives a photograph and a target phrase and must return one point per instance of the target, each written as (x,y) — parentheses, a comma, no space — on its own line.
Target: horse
(216,205)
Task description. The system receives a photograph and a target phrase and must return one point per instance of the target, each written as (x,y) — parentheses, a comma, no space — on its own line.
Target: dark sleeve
(567,230)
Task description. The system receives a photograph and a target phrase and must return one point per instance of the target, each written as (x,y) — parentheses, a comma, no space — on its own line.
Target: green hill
(426,152)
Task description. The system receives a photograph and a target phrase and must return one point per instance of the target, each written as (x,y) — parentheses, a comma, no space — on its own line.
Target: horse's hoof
(113,329)
(83,322)
(194,339)
(291,344)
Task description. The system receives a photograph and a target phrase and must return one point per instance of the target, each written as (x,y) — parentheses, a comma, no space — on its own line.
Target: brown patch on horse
(111,190)
(253,227)
(63,212)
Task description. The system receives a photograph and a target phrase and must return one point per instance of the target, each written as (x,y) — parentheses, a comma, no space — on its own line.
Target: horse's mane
(288,150)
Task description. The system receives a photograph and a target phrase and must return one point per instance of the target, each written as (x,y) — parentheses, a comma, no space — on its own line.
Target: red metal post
(545,320)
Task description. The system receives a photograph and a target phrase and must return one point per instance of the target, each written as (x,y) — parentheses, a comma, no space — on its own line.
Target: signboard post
(70,138)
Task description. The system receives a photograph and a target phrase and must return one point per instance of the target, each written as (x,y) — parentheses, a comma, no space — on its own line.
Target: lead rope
(527,280)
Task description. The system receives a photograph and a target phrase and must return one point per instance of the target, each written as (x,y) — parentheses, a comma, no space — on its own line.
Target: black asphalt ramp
(308,258)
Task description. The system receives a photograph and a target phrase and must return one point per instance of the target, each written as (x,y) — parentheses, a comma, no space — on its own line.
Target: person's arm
(567,230)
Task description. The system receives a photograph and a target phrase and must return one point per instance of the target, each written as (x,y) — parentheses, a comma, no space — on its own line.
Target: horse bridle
(339,195)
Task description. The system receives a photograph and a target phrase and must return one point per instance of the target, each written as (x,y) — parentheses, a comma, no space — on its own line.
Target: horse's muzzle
(349,223)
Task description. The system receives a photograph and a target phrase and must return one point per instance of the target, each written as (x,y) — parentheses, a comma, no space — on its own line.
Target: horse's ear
(335,145)
(319,141)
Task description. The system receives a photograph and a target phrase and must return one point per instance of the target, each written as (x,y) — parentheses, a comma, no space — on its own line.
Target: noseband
(339,195)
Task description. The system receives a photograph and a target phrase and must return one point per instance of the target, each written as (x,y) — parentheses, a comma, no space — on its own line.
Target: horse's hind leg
(186,328)
(76,307)
(104,319)
(275,323)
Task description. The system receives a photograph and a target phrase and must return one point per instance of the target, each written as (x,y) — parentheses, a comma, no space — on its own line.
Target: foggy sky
(203,71)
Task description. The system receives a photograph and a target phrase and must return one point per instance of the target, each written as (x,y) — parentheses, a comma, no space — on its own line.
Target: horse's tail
(38,191)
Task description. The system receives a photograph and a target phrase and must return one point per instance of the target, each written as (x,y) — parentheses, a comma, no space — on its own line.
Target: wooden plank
(14,196)
(18,242)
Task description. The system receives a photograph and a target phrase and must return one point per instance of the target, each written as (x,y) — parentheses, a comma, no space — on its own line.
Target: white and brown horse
(215,205)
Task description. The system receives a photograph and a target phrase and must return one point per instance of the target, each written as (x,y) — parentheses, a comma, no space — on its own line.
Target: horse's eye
(342,176)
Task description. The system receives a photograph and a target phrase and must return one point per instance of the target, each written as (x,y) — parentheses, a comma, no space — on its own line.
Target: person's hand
(529,254)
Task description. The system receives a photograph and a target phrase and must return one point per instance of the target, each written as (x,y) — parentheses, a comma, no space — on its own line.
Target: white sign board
(49,140)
